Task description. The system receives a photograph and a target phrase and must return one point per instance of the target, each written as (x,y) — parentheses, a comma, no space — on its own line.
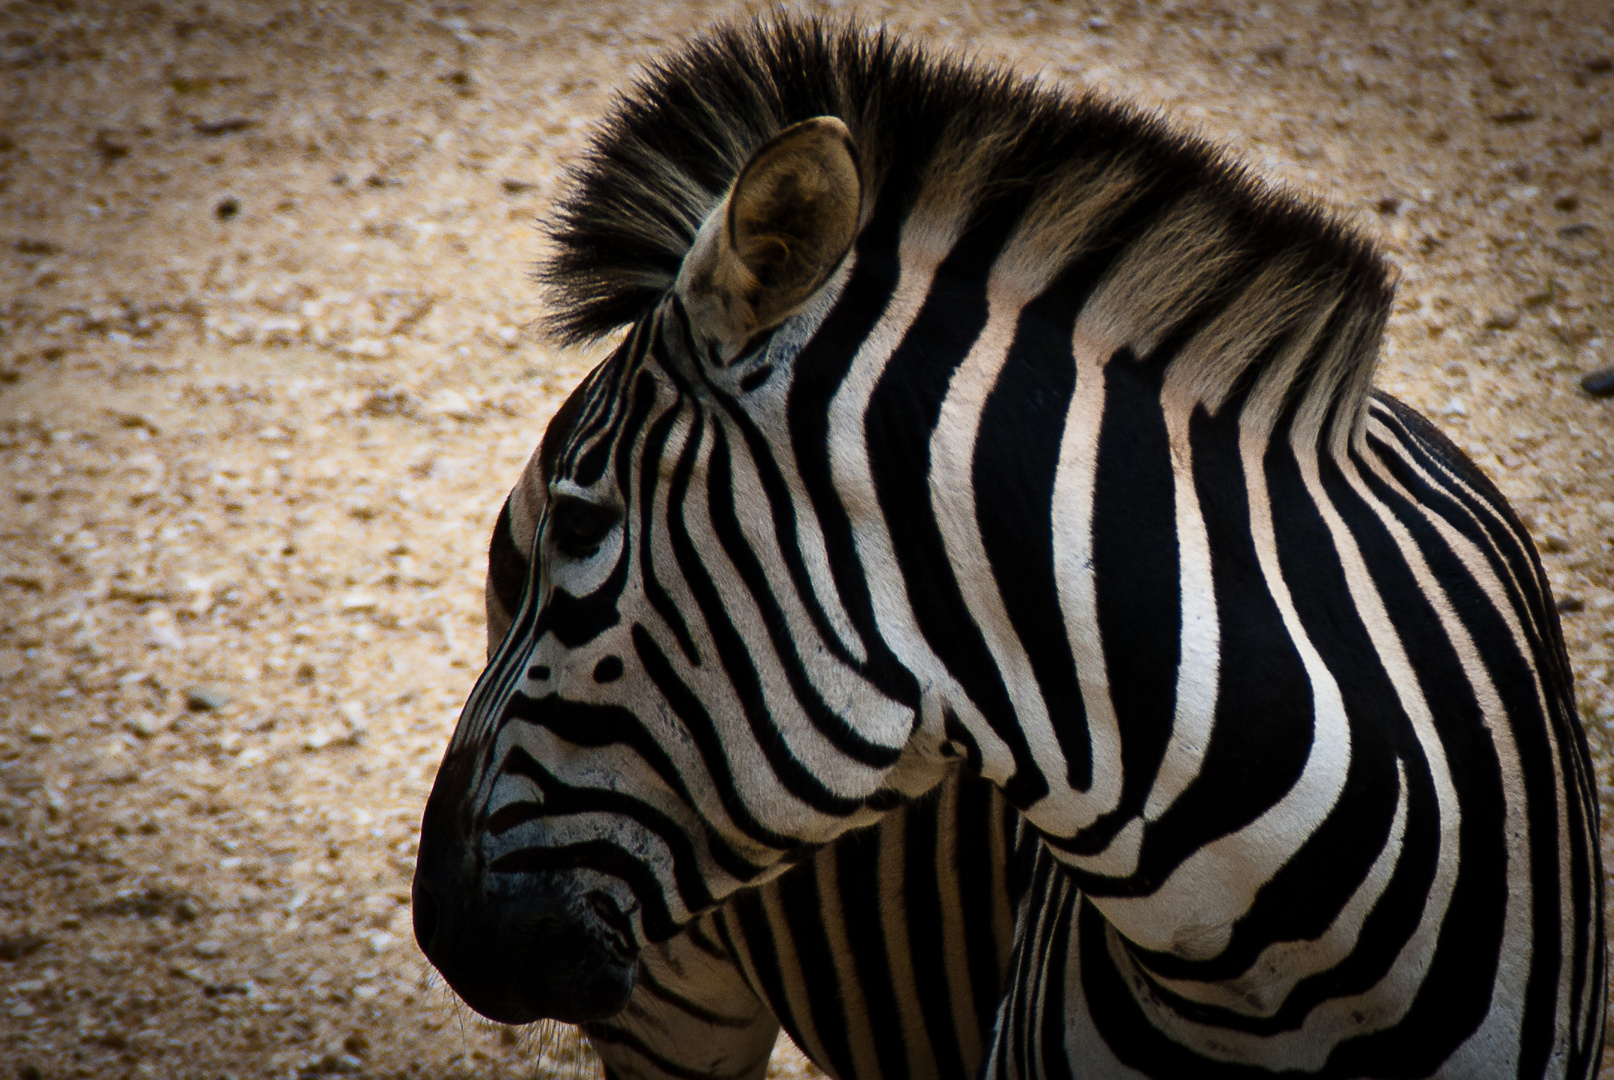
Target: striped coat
(961,419)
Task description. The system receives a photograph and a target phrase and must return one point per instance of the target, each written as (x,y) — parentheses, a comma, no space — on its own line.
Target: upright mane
(939,135)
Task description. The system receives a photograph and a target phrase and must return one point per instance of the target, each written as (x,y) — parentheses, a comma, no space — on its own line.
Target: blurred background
(268,366)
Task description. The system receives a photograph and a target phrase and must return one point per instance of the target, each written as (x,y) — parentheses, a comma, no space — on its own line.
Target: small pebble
(14,947)
(145,725)
(340,1064)
(205,699)
(1570,604)
(223,127)
(208,949)
(1504,317)
(1599,383)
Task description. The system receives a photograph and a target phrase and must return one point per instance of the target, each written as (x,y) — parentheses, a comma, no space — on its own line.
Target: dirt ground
(267,367)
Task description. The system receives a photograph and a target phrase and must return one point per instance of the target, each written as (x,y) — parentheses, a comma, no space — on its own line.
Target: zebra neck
(1102,266)
(988,398)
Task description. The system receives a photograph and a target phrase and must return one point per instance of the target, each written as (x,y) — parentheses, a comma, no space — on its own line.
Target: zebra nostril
(608,669)
(618,926)
(425,915)
(538,672)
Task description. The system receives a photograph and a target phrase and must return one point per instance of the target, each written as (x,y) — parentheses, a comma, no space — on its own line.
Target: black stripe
(696,933)
(726,526)
(746,917)
(577,620)
(588,451)
(1262,730)
(650,459)
(802,909)
(902,414)
(922,904)
(857,872)
(732,652)
(561,800)
(818,371)
(559,429)
(1513,675)
(648,983)
(594,726)
(612,1035)
(979,883)
(1137,580)
(606,858)
(783,513)
(687,707)
(1055,1058)
(507,567)
(1016,459)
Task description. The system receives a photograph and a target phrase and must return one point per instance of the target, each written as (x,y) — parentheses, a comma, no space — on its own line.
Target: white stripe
(1072,524)
(766,407)
(952,500)
(1200,655)
(920,252)
(1263,988)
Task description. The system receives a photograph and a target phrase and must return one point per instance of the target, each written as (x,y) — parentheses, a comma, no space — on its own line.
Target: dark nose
(517,947)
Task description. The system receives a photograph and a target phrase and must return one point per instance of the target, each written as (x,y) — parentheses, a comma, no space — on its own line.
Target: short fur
(942,136)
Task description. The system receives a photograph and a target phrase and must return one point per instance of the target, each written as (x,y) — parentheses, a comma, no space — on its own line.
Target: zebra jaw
(784,227)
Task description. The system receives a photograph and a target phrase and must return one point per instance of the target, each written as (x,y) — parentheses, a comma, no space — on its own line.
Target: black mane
(675,141)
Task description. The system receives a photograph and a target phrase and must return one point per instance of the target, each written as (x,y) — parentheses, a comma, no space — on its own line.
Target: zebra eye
(577,526)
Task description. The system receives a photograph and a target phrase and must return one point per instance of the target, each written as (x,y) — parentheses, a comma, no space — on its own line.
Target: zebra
(961,420)
(883,955)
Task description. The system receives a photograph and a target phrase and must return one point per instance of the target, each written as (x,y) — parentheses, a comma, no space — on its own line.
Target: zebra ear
(786,225)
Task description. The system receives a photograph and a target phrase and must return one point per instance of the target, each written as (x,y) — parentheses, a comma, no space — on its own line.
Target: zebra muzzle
(518,945)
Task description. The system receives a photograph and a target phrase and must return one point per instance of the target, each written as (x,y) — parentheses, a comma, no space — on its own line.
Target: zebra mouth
(571,970)
(529,953)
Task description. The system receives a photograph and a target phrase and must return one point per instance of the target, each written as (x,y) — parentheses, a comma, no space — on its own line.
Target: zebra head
(680,706)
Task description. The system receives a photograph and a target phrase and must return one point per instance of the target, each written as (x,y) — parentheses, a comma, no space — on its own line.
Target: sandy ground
(267,368)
